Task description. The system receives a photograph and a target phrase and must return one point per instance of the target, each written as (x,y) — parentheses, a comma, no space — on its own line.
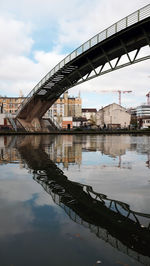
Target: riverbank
(80,131)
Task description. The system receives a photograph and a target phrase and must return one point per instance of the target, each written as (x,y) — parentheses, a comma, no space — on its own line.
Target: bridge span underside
(84,64)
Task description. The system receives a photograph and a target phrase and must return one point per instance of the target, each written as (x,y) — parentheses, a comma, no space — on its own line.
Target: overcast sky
(36,34)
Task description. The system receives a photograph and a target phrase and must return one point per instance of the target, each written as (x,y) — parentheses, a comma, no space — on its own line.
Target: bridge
(88,61)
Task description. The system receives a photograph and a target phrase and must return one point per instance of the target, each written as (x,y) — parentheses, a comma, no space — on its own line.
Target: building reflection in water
(8,153)
(67,149)
(63,151)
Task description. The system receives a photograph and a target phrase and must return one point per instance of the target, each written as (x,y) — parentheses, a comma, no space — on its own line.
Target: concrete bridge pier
(31,116)
(33,126)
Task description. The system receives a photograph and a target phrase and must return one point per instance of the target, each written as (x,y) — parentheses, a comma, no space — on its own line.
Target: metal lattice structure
(89,60)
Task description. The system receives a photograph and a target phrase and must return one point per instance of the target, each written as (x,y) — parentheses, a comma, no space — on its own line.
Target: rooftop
(92,110)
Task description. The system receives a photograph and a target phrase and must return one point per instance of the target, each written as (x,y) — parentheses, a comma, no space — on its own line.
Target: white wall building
(145,123)
(89,113)
(113,116)
(143,116)
(4,121)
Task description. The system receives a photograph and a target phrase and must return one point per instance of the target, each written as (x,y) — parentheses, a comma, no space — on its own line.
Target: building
(133,122)
(79,122)
(113,116)
(143,110)
(4,122)
(65,106)
(72,105)
(143,116)
(89,113)
(145,123)
(10,104)
(67,122)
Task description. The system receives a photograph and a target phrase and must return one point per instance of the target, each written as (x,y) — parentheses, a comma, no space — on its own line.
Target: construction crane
(120,94)
(119,91)
(148,98)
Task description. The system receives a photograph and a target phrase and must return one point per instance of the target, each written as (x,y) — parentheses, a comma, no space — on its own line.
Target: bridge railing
(113,29)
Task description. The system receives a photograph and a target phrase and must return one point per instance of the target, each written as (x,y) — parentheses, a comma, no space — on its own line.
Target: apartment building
(67,106)
(10,104)
(64,106)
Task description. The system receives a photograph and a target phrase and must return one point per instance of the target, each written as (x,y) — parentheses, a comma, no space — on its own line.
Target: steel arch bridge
(88,61)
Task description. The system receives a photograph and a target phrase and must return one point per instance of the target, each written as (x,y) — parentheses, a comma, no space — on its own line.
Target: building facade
(65,106)
(143,116)
(79,122)
(113,116)
(67,122)
(89,113)
(143,110)
(10,104)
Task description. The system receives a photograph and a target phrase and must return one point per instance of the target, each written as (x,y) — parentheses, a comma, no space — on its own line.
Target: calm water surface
(74,200)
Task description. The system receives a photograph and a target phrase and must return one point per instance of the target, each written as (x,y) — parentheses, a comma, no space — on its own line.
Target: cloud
(48,60)
(15,39)
(66,25)
(20,72)
(90,18)
(17,69)
(15,219)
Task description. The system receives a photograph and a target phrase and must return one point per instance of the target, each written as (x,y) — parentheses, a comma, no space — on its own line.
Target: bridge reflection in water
(109,219)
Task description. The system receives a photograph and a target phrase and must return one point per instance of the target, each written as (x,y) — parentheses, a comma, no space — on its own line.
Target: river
(74,200)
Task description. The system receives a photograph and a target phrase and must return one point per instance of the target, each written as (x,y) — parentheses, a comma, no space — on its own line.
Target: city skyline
(33,40)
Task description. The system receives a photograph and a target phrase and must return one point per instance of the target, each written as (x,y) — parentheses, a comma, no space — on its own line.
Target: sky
(35,35)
